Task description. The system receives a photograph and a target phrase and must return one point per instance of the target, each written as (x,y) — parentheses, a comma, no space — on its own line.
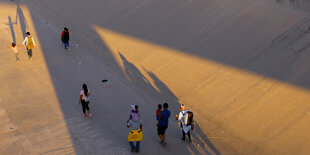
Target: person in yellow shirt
(30,44)
(135,133)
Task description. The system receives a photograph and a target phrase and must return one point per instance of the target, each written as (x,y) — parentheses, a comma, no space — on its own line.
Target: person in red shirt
(158,111)
(65,37)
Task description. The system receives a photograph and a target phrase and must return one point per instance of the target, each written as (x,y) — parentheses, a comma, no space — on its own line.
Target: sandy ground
(242,67)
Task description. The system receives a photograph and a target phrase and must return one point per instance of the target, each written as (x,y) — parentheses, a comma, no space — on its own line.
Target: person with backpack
(185,118)
(84,99)
(65,37)
(135,134)
(30,44)
(162,124)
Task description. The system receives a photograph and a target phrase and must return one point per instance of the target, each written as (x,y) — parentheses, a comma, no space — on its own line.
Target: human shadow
(203,141)
(162,93)
(22,20)
(200,37)
(10,24)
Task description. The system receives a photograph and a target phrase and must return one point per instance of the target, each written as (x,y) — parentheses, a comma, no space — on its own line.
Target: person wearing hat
(180,118)
(135,126)
(65,37)
(30,44)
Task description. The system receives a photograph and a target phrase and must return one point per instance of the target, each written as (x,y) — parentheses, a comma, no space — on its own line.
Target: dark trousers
(29,51)
(188,134)
(85,106)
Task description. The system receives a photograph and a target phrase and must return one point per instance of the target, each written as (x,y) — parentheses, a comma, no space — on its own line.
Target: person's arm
(180,116)
(62,36)
(159,119)
(128,124)
(25,40)
(141,126)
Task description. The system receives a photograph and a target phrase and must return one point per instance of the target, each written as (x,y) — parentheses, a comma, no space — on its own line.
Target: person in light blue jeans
(135,133)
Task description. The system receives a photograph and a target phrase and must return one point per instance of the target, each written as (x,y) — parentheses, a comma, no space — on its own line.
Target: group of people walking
(185,118)
(30,44)
(134,123)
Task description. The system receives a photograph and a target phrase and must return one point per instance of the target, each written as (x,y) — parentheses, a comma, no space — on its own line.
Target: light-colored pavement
(241,66)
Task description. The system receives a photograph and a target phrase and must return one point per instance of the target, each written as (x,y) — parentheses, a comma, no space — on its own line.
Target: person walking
(84,99)
(30,44)
(185,118)
(162,124)
(65,37)
(134,113)
(15,50)
(135,134)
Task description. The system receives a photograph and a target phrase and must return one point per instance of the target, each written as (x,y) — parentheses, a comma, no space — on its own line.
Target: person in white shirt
(84,99)
(30,44)
(185,128)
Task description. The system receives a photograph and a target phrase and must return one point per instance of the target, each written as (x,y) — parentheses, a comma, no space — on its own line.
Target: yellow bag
(30,43)
(135,135)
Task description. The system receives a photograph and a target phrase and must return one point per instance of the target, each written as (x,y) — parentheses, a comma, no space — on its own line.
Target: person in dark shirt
(163,123)
(65,37)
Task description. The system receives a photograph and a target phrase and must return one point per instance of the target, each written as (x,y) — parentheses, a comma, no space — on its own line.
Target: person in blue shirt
(162,124)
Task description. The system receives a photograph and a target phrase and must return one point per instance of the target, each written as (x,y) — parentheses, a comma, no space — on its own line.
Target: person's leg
(162,137)
(84,108)
(66,44)
(137,146)
(87,108)
(29,53)
(189,136)
(16,56)
(158,131)
(183,133)
(132,146)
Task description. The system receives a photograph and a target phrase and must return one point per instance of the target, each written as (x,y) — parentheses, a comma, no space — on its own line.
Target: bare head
(84,86)
(160,106)
(136,107)
(165,105)
(13,44)
(28,34)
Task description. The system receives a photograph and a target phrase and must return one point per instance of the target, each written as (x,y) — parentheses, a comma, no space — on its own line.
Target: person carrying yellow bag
(30,44)
(135,134)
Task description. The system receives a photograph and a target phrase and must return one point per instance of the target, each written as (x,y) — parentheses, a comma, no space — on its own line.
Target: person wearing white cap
(183,123)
